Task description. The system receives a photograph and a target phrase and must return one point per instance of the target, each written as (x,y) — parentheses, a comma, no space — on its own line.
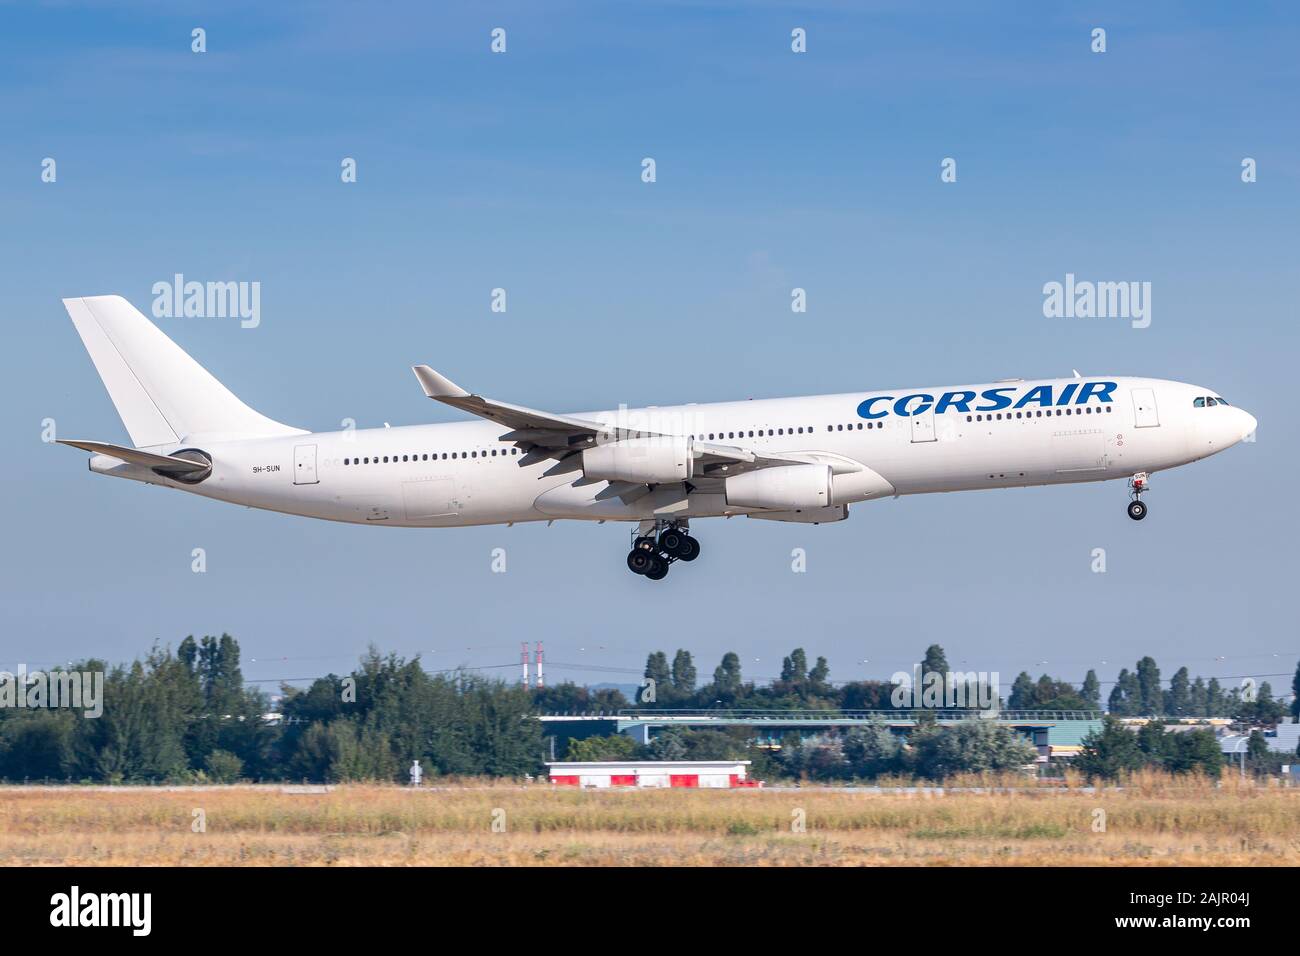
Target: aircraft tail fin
(162,395)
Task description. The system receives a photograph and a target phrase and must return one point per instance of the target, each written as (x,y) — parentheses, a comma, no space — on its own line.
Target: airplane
(804,459)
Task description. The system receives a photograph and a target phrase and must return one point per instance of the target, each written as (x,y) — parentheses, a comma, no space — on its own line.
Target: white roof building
(703,774)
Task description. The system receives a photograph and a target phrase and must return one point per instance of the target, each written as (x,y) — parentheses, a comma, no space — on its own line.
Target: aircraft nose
(1248,424)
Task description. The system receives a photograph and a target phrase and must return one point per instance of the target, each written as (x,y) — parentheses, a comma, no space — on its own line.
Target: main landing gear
(1137,485)
(665,542)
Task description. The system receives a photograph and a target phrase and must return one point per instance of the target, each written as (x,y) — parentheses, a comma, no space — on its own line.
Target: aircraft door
(304,465)
(923,425)
(1145,413)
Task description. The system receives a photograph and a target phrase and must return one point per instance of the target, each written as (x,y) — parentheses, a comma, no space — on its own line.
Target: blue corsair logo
(1039,396)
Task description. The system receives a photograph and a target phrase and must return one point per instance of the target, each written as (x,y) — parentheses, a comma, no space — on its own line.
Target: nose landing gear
(1137,485)
(667,542)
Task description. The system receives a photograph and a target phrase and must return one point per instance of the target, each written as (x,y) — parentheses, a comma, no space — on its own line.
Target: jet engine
(649,461)
(783,488)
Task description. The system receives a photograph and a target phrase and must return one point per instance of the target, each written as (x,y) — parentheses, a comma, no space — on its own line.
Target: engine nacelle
(783,488)
(649,461)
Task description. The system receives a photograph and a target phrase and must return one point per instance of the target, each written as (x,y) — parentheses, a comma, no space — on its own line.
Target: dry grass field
(1151,821)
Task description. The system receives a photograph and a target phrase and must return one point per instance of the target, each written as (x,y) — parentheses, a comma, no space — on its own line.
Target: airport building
(1055,734)
(691,774)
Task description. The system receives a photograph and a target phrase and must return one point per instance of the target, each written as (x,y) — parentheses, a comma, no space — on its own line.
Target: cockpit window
(1222,401)
(1199,402)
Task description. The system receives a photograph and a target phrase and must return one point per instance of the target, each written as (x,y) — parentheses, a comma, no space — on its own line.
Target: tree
(683,673)
(1216,702)
(818,675)
(866,695)
(223,766)
(1126,695)
(872,750)
(1152,702)
(822,758)
(714,744)
(726,678)
(1257,746)
(613,747)
(1091,690)
(971,746)
(794,669)
(1198,699)
(1022,692)
(36,746)
(568,698)
(1179,701)
(656,669)
(1295,694)
(935,661)
(1268,709)
(1056,695)
(1196,751)
(1156,744)
(668,746)
(1110,751)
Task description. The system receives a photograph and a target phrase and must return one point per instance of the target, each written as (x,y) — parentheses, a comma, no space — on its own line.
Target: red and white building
(702,774)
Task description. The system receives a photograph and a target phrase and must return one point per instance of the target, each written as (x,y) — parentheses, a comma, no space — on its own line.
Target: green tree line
(190,716)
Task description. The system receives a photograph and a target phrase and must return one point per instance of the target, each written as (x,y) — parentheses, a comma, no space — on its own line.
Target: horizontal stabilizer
(135,456)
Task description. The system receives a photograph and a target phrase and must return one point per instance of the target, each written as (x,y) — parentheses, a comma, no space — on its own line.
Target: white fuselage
(912,441)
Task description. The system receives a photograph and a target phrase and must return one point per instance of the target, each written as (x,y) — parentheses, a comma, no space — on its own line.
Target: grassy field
(1153,820)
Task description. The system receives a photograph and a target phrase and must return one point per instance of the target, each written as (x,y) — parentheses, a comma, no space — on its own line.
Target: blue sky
(775,170)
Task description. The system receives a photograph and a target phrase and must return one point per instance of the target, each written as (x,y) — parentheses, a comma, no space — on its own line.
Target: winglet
(437,386)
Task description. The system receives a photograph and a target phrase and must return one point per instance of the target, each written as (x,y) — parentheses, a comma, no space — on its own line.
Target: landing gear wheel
(658,571)
(641,561)
(1137,510)
(690,551)
(672,541)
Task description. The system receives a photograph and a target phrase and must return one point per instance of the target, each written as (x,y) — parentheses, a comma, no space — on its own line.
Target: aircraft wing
(549,435)
(515,416)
